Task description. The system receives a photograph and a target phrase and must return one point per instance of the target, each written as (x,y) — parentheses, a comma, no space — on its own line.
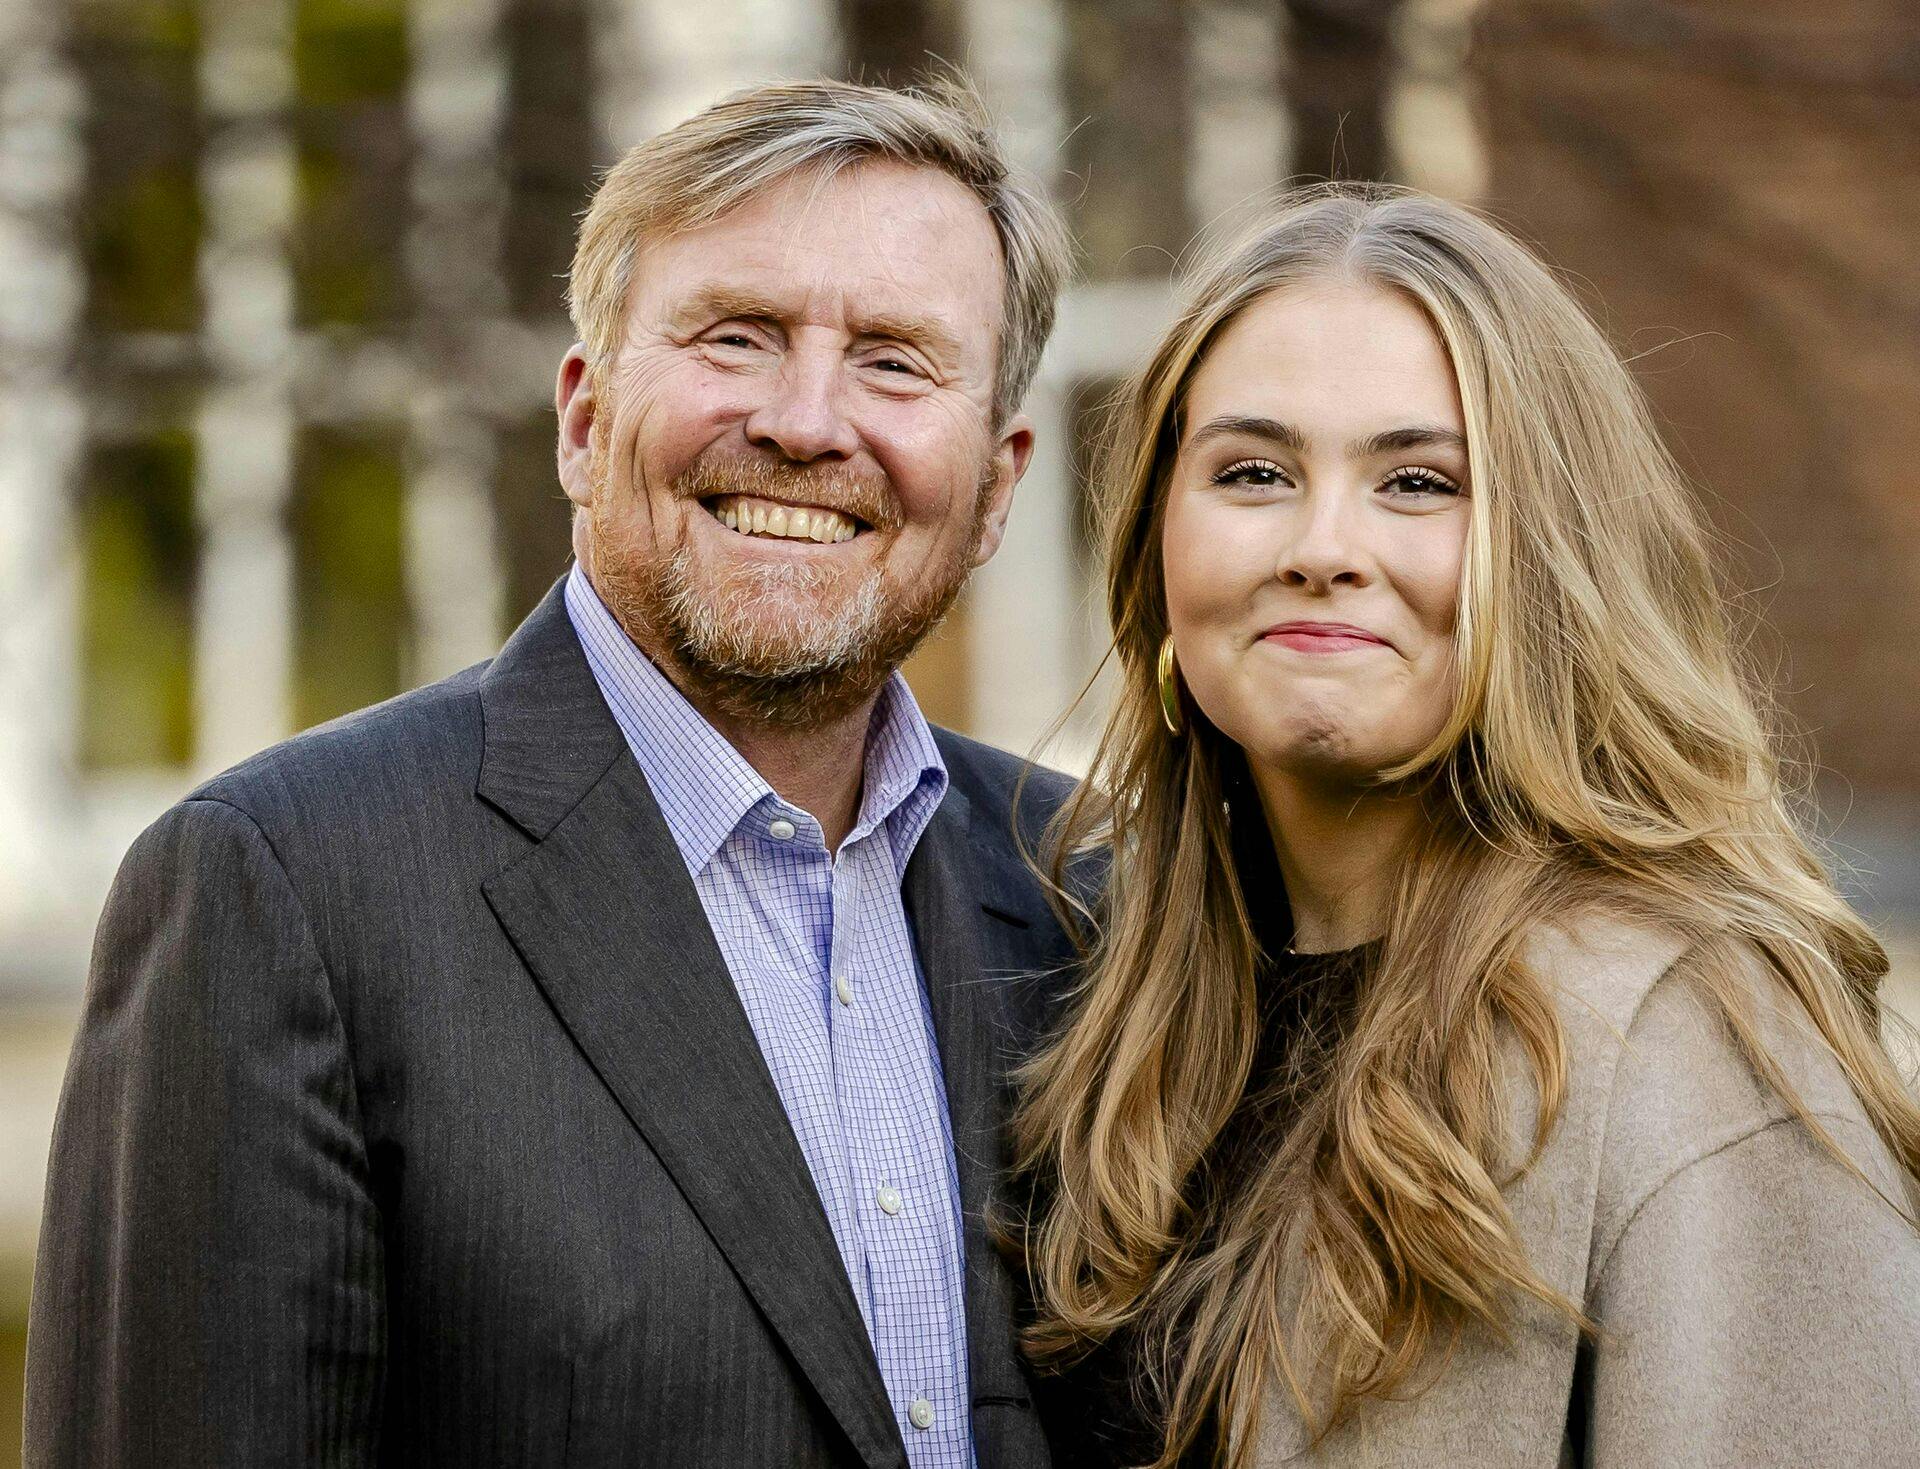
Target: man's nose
(1324,549)
(803,417)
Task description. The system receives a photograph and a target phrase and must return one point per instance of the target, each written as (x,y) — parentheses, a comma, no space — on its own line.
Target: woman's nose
(1324,548)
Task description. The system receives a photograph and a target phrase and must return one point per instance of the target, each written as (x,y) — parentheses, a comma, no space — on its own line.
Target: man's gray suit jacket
(414,1119)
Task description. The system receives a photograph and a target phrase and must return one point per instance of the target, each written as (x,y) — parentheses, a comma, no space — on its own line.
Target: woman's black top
(1094,1408)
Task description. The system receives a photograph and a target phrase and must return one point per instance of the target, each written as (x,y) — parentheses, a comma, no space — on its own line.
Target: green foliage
(350,609)
(349,50)
(342,278)
(153,25)
(139,558)
(140,241)
(350,65)
(141,219)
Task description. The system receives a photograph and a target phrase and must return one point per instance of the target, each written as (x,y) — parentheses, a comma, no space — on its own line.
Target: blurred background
(280,309)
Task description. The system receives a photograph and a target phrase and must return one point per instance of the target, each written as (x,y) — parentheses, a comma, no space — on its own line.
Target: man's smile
(752,516)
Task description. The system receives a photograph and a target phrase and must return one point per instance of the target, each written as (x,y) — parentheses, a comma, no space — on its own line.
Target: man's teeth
(787,522)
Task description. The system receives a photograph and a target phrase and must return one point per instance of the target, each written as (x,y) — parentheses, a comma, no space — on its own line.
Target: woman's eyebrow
(1417,436)
(1387,441)
(1254,427)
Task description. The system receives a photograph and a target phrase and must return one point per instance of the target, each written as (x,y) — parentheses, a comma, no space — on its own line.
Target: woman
(1474,1064)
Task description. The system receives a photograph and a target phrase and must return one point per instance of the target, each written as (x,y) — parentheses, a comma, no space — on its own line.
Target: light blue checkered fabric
(860,1078)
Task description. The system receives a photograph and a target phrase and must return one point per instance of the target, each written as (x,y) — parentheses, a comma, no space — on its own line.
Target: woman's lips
(1323,637)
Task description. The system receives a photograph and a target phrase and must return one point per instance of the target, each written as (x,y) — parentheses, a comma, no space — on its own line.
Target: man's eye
(731,339)
(896,365)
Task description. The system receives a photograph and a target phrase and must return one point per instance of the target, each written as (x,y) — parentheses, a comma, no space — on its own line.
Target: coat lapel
(943,901)
(603,913)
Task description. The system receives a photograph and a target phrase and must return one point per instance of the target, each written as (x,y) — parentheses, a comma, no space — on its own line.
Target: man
(596,1058)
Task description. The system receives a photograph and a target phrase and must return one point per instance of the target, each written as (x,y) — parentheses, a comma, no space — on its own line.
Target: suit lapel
(943,903)
(603,913)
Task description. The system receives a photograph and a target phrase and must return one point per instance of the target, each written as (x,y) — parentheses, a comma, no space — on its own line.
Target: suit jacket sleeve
(209,1284)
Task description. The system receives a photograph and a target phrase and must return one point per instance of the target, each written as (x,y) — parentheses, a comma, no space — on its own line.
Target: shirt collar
(706,789)
(905,777)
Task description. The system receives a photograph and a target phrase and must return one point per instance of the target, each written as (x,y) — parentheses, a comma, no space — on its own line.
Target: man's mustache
(833,486)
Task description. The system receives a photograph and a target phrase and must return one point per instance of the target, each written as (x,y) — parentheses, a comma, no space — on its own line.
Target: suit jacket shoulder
(382,760)
(1010,793)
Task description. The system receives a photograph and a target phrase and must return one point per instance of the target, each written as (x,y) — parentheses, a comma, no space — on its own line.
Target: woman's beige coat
(1758,1305)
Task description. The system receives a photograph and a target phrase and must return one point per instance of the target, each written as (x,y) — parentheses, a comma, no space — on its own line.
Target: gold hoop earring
(1169,679)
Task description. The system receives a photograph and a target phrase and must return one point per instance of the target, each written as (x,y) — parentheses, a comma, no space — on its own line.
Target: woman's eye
(1255,472)
(1420,482)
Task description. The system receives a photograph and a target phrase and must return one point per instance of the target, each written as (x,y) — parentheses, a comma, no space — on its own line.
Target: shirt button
(921,1413)
(843,990)
(889,1201)
(780,829)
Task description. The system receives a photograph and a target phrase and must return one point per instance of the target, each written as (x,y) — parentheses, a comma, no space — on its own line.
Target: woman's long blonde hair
(1605,750)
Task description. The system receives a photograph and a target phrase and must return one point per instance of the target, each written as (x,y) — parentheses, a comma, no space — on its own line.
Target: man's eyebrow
(919,331)
(1388,441)
(720,302)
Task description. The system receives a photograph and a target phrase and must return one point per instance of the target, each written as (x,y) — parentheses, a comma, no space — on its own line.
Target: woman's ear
(574,405)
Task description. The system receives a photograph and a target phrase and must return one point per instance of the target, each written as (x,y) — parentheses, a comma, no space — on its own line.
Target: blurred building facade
(1732,188)
(285,307)
(280,308)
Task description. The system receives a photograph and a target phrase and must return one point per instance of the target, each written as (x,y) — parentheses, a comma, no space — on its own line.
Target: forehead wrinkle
(919,328)
(900,326)
(779,286)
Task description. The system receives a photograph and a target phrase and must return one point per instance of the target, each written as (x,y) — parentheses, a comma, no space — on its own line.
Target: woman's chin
(1327,758)
(1318,764)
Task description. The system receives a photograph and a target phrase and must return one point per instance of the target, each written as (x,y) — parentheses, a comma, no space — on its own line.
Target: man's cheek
(626,525)
(642,499)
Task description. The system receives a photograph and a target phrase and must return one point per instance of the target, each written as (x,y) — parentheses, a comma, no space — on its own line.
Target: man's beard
(755,643)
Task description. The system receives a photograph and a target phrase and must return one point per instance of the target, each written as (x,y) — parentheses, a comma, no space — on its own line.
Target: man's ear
(1011,456)
(574,405)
